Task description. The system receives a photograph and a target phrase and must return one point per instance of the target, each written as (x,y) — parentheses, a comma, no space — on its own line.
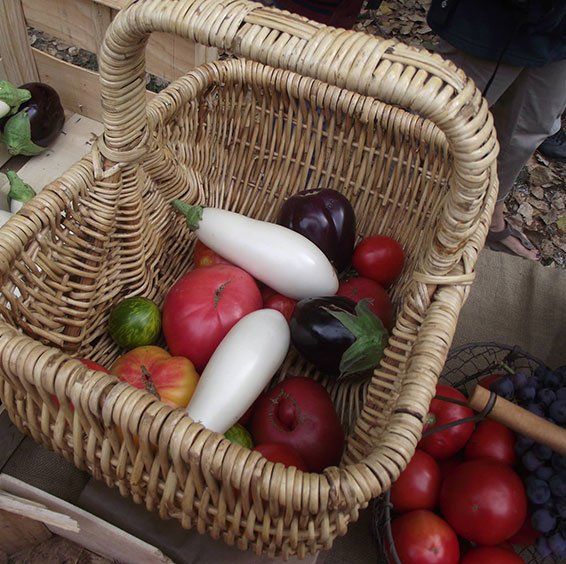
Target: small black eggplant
(38,120)
(327,218)
(338,336)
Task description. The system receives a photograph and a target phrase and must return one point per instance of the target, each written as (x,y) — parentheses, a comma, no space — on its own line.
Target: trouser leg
(524,101)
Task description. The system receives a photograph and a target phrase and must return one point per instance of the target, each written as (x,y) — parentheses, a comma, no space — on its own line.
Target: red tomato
(93,365)
(491,439)
(380,258)
(358,288)
(202,306)
(278,452)
(484,501)
(281,303)
(418,486)
(446,465)
(446,443)
(491,555)
(205,256)
(422,537)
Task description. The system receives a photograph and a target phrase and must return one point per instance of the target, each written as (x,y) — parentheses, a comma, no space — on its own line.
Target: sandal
(494,238)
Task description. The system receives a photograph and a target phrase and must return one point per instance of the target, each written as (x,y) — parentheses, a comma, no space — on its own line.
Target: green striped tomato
(134,322)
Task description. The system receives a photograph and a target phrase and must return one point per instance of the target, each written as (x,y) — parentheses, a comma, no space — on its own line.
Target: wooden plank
(18,533)
(96,534)
(82,23)
(15,52)
(72,144)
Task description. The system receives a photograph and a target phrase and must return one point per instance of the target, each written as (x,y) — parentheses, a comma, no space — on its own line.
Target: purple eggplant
(31,125)
(338,336)
(326,217)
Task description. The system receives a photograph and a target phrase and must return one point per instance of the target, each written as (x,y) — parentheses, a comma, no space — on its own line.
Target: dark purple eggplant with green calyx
(11,98)
(327,218)
(336,335)
(38,121)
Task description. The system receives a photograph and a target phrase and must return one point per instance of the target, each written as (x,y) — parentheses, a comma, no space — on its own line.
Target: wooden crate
(80,23)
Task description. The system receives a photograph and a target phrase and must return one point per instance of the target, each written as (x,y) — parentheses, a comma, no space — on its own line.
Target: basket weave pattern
(402,133)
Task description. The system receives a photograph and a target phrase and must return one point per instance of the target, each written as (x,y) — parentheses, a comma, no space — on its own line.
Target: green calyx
(366,351)
(12,96)
(19,190)
(193,214)
(17,136)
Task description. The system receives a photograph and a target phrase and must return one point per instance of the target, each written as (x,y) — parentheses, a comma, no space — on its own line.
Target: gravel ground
(537,204)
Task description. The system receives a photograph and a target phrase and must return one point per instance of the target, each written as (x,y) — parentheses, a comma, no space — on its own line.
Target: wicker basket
(403,134)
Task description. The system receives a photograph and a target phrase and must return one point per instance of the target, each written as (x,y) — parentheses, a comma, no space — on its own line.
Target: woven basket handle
(392,72)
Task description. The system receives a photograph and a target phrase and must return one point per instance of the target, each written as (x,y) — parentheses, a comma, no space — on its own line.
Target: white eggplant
(281,258)
(19,193)
(239,369)
(5,216)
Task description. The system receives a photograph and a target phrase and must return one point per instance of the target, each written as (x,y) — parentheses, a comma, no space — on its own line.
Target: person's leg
(554,146)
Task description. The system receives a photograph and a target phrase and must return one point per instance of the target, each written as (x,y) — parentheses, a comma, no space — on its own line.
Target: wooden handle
(520,420)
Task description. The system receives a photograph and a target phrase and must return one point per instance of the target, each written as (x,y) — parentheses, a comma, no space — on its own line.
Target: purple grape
(542,547)
(535,408)
(535,382)
(546,396)
(541,371)
(544,472)
(561,394)
(557,543)
(557,411)
(560,508)
(537,491)
(530,461)
(558,485)
(519,380)
(503,387)
(523,444)
(527,393)
(561,527)
(558,462)
(542,452)
(552,379)
(543,521)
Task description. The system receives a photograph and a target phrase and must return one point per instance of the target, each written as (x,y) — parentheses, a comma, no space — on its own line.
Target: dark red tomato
(446,465)
(491,555)
(484,501)
(422,537)
(491,439)
(527,534)
(202,306)
(418,486)
(93,365)
(380,258)
(205,256)
(486,381)
(358,288)
(281,303)
(278,452)
(446,443)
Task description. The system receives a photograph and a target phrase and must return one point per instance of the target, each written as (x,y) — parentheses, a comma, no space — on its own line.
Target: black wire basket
(464,367)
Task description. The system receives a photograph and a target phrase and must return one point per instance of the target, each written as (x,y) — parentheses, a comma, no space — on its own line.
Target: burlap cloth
(512,302)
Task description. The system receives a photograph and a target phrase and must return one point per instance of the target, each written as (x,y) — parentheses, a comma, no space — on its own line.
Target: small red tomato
(358,288)
(278,452)
(205,256)
(418,486)
(446,465)
(446,443)
(527,534)
(422,537)
(484,501)
(491,555)
(491,439)
(93,365)
(281,303)
(380,258)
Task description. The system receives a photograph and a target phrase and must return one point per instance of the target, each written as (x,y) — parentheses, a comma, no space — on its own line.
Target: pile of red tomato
(460,498)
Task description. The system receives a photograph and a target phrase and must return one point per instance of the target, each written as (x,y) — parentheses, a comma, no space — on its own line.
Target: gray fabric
(525,102)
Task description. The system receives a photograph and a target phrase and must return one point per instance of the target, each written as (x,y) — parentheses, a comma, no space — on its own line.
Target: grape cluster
(542,393)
